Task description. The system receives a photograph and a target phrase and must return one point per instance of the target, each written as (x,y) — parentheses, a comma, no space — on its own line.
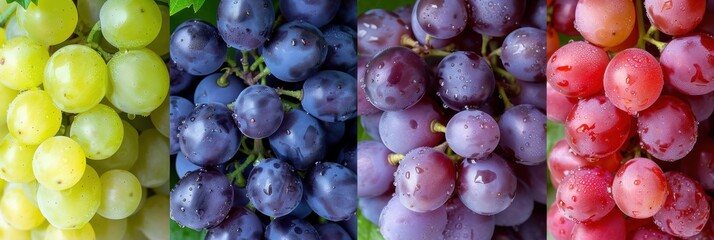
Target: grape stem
(297,94)
(409,42)
(437,127)
(505,74)
(223,80)
(260,76)
(278,21)
(237,174)
(287,106)
(640,24)
(484,44)
(92,37)
(443,147)
(495,53)
(658,44)
(244,60)
(260,60)
(7,13)
(395,158)
(502,93)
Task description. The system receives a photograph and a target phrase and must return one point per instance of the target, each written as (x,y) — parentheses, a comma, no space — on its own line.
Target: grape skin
(400,137)
(486,186)
(99,131)
(376,174)
(201,199)
(238,218)
(40,21)
(577,69)
(61,208)
(331,191)
(300,140)
(128,90)
(274,188)
(523,54)
(633,80)
(295,51)
(497,18)
(523,133)
(76,65)
(584,197)
(605,23)
(668,129)
(330,97)
(197,47)
(639,188)
(398,222)
(24,63)
(59,163)
(472,134)
(675,18)
(130,24)
(424,179)
(685,212)
(595,128)
(442,19)
(378,29)
(208,89)
(466,80)
(16,160)
(693,74)
(258,111)
(199,132)
(245,25)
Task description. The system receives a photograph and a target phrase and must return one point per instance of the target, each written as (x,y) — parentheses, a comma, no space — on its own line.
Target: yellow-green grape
(160,45)
(160,118)
(144,196)
(163,189)
(99,131)
(9,232)
(50,22)
(23,62)
(72,208)
(32,117)
(19,206)
(86,232)
(132,230)
(59,163)
(150,167)
(125,157)
(3,131)
(13,29)
(6,97)
(16,160)
(76,78)
(88,11)
(108,229)
(39,232)
(130,24)
(138,81)
(2,36)
(153,219)
(121,194)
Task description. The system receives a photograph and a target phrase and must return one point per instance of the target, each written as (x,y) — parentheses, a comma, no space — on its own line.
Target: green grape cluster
(83,120)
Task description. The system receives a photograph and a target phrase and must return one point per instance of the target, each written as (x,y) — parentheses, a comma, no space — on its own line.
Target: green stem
(640,24)
(496,52)
(484,44)
(297,94)
(395,158)
(258,148)
(261,75)
(409,41)
(505,74)
(438,53)
(658,44)
(504,97)
(223,80)
(287,106)
(237,174)
(7,13)
(437,127)
(259,61)
(92,37)
(244,61)
(278,21)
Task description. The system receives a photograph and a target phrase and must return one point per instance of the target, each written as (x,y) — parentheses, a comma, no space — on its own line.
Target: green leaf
(23,3)
(367,230)
(185,233)
(178,5)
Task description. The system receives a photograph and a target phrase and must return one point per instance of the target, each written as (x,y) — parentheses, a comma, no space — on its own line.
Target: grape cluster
(84,142)
(452,94)
(635,105)
(263,139)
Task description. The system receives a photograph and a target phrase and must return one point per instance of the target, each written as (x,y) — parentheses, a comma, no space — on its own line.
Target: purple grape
(244,24)
(184,166)
(364,107)
(295,51)
(402,131)
(536,180)
(332,231)
(201,199)
(290,228)
(208,136)
(462,223)
(376,174)
(180,80)
(208,90)
(523,134)
(424,179)
(472,134)
(274,188)
(523,54)
(258,111)
(197,48)
(395,79)
(495,18)
(330,96)
(179,109)
(532,93)
(341,48)
(422,36)
(466,80)
(371,208)
(398,222)
(519,210)
(300,140)
(442,18)
(331,191)
(378,29)
(486,186)
(307,11)
(241,223)
(370,123)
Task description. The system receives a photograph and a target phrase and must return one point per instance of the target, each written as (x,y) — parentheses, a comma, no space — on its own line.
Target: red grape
(639,188)
(668,129)
(559,226)
(558,104)
(577,69)
(633,80)
(605,23)
(612,226)
(675,17)
(562,162)
(584,195)
(595,128)
(686,211)
(688,64)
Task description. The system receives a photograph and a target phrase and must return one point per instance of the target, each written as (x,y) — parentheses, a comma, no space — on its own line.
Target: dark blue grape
(341,48)
(180,79)
(347,14)
(332,231)
(330,96)
(240,195)
(300,140)
(289,228)
(209,136)
(295,51)
(201,199)
(241,223)
(523,54)
(208,90)
(332,191)
(315,12)
(523,134)
(258,111)
(334,130)
(348,156)
(495,18)
(245,24)
(536,11)
(350,226)
(274,187)
(197,47)
(184,166)
(395,79)
(466,80)
(179,108)
(371,208)
(302,210)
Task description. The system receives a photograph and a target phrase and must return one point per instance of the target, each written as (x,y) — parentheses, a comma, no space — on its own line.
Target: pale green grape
(125,157)
(59,163)
(153,219)
(50,22)
(13,29)
(132,230)
(160,118)
(163,189)
(160,45)
(19,206)
(74,207)
(6,97)
(3,131)
(150,167)
(121,194)
(86,232)
(88,11)
(16,160)
(130,24)
(22,62)
(138,81)
(76,78)
(32,117)
(99,131)
(38,233)
(9,232)
(108,229)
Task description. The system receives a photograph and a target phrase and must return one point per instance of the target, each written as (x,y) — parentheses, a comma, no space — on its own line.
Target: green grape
(163,189)
(19,206)
(160,118)
(74,207)
(13,29)
(99,131)
(121,194)
(141,123)
(138,81)
(144,196)
(153,219)
(6,97)
(3,131)
(39,231)
(9,232)
(86,232)
(72,66)
(50,22)
(16,160)
(32,117)
(2,36)
(59,163)
(130,24)
(160,45)
(108,229)
(23,62)
(132,230)
(150,167)
(125,157)
(88,11)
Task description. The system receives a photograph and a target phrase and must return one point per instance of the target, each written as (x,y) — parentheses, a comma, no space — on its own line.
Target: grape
(155,207)
(332,231)
(201,199)
(472,134)
(371,208)
(330,96)
(675,18)
(522,132)
(59,163)
(486,186)
(536,179)
(150,167)
(341,47)
(246,222)
(532,93)
(121,194)
(88,11)
(519,210)
(23,63)
(305,11)
(197,48)
(562,162)
(702,105)
(639,188)
(686,210)
(259,111)
(209,90)
(395,79)
(125,156)
(347,14)
(595,128)
(14,30)
(560,227)
(99,131)
(633,80)
(364,107)
(376,174)
(300,140)
(335,132)
(424,180)
(398,222)
(131,24)
(128,87)
(200,138)
(442,19)
(6,97)
(466,80)
(649,232)
(160,45)
(85,232)
(290,228)
(668,129)
(611,225)
(584,195)
(400,137)
(295,51)
(558,105)
(378,29)
(16,160)
(107,228)
(370,124)
(19,206)
(692,74)
(274,187)
(577,69)
(495,18)
(71,66)
(462,223)
(553,42)
(302,210)
(605,23)
(160,118)
(11,232)
(179,109)
(50,22)
(245,25)
(422,36)
(73,207)
(700,162)
(563,16)
(348,156)
(523,54)
(180,79)
(323,194)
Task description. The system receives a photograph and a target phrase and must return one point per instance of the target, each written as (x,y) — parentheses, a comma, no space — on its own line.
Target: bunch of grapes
(635,98)
(453,95)
(83,92)
(264,138)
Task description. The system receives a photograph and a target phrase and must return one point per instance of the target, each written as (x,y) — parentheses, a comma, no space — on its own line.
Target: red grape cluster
(637,157)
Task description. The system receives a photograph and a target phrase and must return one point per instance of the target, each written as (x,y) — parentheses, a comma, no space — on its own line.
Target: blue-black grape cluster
(452,92)
(264,139)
